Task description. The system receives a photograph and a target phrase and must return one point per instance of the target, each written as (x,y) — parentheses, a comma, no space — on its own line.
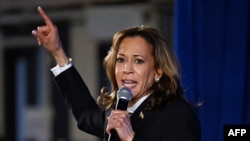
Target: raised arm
(47,36)
(90,118)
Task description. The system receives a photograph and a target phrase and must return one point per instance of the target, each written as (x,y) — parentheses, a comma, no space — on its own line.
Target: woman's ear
(158,74)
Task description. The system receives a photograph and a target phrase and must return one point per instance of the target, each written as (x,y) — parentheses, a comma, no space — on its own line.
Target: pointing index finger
(45,17)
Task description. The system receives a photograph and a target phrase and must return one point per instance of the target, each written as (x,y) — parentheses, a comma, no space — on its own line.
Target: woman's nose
(128,68)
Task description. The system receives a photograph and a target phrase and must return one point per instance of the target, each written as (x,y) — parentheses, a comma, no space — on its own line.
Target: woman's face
(135,66)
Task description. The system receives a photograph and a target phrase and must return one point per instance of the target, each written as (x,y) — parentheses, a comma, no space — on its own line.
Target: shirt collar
(132,108)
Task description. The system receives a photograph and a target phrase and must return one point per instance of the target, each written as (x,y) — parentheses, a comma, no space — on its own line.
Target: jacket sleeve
(90,118)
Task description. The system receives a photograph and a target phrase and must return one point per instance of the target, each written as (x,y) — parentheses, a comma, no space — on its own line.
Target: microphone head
(124,93)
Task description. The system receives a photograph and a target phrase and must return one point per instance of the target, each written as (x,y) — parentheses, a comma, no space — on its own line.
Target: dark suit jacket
(175,121)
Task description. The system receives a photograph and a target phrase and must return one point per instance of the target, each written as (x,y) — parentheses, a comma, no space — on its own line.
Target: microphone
(124,95)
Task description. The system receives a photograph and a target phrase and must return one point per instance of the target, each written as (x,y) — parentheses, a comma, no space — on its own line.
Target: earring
(157,80)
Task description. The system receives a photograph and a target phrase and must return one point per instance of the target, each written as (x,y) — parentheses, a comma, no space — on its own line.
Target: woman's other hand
(47,36)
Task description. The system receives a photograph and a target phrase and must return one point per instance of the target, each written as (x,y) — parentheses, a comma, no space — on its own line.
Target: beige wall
(85,59)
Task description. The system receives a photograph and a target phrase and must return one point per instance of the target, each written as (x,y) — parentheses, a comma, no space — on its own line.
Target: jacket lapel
(140,116)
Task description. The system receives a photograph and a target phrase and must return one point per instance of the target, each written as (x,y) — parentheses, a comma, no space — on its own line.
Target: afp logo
(236,132)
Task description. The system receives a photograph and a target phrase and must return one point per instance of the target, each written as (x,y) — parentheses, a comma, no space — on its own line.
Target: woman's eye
(120,60)
(139,61)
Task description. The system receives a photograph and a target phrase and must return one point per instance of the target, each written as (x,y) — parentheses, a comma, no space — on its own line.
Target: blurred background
(211,39)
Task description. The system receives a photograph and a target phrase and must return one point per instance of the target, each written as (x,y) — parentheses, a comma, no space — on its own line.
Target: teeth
(129,83)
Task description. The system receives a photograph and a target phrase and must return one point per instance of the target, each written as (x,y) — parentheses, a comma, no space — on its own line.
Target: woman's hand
(120,121)
(47,36)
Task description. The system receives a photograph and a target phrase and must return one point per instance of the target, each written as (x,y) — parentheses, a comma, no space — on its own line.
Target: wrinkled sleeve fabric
(90,118)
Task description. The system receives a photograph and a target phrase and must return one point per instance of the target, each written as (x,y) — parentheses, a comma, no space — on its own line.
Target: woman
(141,60)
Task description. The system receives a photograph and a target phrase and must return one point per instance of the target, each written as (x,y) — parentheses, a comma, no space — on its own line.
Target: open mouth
(129,83)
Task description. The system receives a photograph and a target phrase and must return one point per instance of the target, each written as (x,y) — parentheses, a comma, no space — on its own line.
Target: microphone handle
(113,136)
(121,105)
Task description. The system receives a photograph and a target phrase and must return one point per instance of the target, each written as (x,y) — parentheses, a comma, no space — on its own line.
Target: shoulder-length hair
(164,58)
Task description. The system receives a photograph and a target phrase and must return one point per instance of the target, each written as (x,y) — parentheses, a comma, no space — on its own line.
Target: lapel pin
(141,115)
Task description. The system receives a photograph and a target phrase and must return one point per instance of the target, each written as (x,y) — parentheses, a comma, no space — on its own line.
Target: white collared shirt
(131,109)
(58,70)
